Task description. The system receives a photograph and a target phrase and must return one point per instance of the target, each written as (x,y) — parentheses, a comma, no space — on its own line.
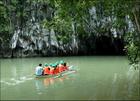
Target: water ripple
(13,81)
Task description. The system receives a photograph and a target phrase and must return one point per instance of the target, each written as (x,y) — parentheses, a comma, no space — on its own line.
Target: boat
(56,75)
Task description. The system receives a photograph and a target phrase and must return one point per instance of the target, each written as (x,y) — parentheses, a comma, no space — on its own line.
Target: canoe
(56,75)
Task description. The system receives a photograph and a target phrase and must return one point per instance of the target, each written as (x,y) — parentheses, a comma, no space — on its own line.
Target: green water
(97,78)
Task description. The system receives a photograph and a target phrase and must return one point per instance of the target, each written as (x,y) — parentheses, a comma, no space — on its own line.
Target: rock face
(35,40)
(42,43)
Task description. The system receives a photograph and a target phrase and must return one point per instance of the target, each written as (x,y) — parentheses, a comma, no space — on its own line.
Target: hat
(46,64)
(57,63)
(54,65)
(61,62)
(50,64)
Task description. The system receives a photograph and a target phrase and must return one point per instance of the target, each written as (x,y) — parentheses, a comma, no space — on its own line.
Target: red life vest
(56,71)
(52,71)
(46,70)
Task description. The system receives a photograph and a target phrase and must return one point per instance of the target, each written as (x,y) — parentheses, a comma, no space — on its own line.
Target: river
(97,78)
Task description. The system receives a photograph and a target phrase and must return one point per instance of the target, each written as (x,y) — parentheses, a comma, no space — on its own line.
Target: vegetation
(74,18)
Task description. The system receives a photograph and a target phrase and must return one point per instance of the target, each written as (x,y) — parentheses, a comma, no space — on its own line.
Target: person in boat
(39,70)
(51,69)
(61,66)
(65,66)
(56,68)
(46,69)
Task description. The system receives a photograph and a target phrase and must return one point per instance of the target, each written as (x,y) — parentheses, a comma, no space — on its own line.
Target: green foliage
(66,13)
(4,23)
(3,18)
(132,52)
(133,47)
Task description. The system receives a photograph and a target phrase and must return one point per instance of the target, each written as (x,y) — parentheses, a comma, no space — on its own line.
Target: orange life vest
(46,70)
(56,71)
(52,71)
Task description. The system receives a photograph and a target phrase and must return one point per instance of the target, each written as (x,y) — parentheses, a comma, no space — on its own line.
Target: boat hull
(55,75)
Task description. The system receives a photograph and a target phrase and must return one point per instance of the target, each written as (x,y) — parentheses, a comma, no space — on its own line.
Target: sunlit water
(97,78)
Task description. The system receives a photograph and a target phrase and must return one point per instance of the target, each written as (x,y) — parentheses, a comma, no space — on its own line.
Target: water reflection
(16,68)
(125,85)
(133,80)
(45,83)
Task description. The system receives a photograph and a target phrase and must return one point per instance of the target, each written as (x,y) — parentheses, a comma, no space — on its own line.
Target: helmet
(57,63)
(61,62)
(51,64)
(46,64)
(54,65)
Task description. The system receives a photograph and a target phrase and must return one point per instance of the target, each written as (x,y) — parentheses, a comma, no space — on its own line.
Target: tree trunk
(136,19)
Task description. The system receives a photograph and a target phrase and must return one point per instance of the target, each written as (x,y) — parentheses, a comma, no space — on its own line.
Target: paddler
(52,69)
(65,66)
(39,70)
(61,66)
(46,69)
(56,68)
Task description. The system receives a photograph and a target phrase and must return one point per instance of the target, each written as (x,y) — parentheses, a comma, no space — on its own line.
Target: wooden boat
(56,75)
